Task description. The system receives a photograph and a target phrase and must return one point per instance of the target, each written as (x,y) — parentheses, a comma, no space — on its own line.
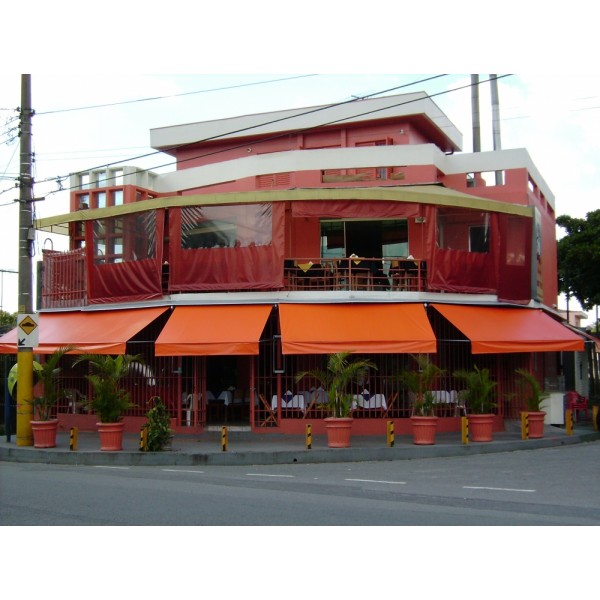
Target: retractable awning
(212,330)
(92,332)
(367,328)
(497,330)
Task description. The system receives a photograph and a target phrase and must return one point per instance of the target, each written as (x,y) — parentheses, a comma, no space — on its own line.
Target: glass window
(205,227)
(118,197)
(101,199)
(463,229)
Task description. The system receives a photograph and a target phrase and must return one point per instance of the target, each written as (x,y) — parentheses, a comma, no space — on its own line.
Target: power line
(314,110)
(219,89)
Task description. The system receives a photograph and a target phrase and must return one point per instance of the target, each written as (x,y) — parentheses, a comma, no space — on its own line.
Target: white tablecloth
(368,401)
(290,400)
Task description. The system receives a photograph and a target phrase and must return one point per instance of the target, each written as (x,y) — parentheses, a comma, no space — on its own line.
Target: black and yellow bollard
(224,438)
(390,434)
(595,417)
(144,438)
(73,438)
(309,437)
(524,426)
(569,421)
(464,428)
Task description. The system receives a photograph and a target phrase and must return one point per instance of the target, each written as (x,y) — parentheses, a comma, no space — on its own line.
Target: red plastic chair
(577,403)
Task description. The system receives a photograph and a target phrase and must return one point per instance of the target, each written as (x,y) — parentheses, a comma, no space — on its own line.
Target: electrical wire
(231,87)
(242,130)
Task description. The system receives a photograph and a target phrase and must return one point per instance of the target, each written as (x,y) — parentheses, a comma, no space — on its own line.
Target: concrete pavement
(246,448)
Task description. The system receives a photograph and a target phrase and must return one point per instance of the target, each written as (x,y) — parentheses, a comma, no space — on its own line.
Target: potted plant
(109,399)
(45,424)
(534,396)
(420,383)
(480,401)
(159,434)
(336,378)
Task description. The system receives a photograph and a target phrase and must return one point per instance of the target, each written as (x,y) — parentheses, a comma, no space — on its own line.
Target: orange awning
(93,332)
(496,330)
(211,330)
(366,328)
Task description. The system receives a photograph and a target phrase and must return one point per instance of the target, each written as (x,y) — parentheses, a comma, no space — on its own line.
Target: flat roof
(417,105)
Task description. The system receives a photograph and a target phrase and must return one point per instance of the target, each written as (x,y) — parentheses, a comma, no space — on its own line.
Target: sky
(82,124)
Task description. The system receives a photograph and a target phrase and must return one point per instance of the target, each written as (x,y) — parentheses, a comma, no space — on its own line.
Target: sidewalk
(246,448)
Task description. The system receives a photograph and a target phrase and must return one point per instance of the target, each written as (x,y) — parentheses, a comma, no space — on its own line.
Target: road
(554,486)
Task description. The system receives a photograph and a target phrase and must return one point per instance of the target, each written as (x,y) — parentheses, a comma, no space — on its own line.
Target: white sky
(554,114)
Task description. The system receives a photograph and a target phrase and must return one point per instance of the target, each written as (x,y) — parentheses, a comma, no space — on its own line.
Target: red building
(286,236)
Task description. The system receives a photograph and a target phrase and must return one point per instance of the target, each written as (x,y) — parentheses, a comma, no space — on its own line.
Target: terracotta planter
(481,428)
(338,431)
(111,436)
(536,424)
(44,433)
(424,429)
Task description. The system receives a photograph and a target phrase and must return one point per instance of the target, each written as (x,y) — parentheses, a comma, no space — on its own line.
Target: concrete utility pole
(475,113)
(496,120)
(26,238)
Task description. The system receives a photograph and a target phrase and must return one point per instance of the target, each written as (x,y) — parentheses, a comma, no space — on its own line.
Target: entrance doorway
(227,393)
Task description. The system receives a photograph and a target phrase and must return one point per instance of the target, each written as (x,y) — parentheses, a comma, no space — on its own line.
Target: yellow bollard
(465,429)
(309,437)
(390,434)
(144,438)
(595,417)
(524,426)
(224,438)
(569,421)
(73,438)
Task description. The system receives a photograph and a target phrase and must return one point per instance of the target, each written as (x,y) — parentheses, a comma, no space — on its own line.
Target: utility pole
(26,239)
(496,120)
(475,113)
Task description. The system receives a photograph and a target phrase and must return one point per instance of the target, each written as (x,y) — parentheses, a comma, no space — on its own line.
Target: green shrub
(159,430)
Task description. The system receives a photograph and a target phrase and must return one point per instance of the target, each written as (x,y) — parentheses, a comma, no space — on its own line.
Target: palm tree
(420,382)
(336,378)
(110,400)
(47,374)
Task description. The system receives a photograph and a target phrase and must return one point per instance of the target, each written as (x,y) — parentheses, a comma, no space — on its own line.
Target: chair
(271,416)
(577,403)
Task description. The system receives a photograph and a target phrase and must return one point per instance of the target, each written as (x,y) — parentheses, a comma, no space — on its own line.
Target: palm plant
(110,399)
(530,386)
(47,374)
(478,392)
(420,383)
(336,378)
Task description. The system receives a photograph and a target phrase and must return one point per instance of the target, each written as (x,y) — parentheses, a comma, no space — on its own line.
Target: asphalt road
(553,486)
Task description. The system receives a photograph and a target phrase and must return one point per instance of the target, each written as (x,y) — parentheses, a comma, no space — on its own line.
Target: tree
(579,258)
(8,321)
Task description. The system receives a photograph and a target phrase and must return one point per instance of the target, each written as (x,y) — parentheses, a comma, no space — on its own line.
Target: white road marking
(473,487)
(378,481)
(107,467)
(181,471)
(268,475)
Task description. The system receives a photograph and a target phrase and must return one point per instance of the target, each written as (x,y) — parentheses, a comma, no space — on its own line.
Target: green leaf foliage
(110,400)
(159,426)
(579,258)
(531,390)
(420,382)
(479,390)
(337,377)
(48,374)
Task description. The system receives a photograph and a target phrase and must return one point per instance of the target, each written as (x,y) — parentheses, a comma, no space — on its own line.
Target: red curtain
(125,259)
(330,209)
(226,247)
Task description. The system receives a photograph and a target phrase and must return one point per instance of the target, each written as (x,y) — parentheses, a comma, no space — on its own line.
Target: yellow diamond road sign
(28,330)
